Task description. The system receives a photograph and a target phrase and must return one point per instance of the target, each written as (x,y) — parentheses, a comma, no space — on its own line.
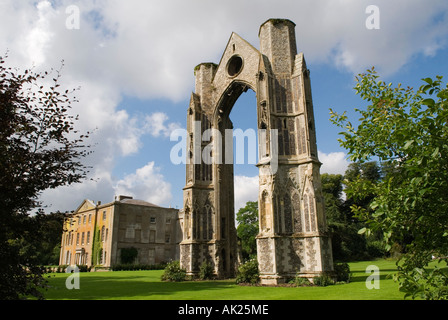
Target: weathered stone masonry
(293,232)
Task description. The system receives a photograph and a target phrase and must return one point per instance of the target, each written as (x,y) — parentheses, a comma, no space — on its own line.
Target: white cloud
(116,134)
(98,188)
(128,139)
(155,125)
(148,49)
(333,163)
(40,36)
(145,184)
(246,189)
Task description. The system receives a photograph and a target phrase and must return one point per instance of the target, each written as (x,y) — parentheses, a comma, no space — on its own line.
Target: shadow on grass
(139,287)
(359,276)
(385,274)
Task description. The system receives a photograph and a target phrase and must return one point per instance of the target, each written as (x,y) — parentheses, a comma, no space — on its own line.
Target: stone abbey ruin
(292,236)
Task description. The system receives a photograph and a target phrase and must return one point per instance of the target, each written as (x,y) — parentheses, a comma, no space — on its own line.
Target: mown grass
(146,285)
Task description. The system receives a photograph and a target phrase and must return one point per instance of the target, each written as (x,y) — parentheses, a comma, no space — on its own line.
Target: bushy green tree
(39,149)
(408,131)
(173,272)
(48,246)
(347,244)
(247,229)
(206,271)
(248,272)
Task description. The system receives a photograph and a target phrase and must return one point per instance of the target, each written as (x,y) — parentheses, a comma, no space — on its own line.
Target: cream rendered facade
(95,234)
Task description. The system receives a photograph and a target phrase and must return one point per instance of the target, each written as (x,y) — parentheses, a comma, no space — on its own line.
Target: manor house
(99,234)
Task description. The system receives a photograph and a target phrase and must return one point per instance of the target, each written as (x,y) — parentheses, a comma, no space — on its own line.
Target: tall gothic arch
(293,233)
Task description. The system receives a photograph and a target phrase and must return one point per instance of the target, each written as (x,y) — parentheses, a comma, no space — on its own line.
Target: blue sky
(134,62)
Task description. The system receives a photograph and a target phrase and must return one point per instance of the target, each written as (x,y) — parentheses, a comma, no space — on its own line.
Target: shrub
(173,272)
(206,271)
(428,284)
(83,268)
(323,280)
(134,267)
(342,272)
(128,255)
(376,249)
(300,281)
(248,272)
(61,268)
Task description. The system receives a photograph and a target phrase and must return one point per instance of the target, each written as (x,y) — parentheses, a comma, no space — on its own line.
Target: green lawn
(146,285)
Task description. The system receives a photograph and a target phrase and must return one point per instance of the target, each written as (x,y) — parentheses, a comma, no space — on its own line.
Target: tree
(370,173)
(367,172)
(128,255)
(39,149)
(347,244)
(247,230)
(47,245)
(406,130)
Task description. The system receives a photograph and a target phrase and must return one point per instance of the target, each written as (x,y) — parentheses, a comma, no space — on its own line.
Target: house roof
(85,205)
(138,202)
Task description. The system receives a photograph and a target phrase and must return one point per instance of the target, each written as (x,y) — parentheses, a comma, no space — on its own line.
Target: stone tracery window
(309,211)
(264,211)
(296,213)
(287,213)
